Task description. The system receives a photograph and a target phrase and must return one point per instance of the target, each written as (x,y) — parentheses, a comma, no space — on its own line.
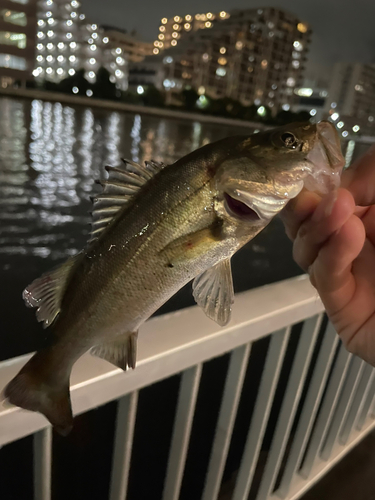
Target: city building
(134,49)
(351,98)
(311,97)
(67,43)
(255,56)
(17,41)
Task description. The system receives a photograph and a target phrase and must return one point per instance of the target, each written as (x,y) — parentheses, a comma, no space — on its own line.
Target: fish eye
(289,139)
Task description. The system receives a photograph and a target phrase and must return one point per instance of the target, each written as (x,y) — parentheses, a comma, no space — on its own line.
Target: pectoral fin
(192,246)
(122,351)
(213,292)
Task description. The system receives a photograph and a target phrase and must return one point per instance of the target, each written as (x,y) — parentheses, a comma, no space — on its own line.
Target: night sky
(343,30)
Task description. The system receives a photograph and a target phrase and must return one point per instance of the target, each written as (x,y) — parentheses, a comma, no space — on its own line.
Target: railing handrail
(167,345)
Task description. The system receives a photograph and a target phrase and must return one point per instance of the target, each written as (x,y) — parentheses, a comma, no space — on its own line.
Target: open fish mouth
(255,207)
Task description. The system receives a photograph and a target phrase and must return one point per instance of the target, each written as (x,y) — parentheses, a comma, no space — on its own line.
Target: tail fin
(31,391)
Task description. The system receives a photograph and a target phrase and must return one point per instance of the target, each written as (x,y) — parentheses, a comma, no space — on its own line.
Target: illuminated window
(302,27)
(13,17)
(12,62)
(23,2)
(17,39)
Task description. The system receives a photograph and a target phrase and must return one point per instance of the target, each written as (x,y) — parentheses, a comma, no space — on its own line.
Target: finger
(359,179)
(298,210)
(331,270)
(368,219)
(315,231)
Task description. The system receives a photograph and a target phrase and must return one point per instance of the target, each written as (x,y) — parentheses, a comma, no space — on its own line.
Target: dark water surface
(50,156)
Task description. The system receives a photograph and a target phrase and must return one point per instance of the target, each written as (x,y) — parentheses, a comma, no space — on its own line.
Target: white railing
(335,413)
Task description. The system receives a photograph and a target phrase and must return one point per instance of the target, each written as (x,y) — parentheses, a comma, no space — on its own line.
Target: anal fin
(121,351)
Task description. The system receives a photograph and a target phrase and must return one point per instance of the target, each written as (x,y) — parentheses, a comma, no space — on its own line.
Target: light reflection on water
(50,156)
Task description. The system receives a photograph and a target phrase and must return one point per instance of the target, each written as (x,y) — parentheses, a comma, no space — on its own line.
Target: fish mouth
(253,207)
(326,158)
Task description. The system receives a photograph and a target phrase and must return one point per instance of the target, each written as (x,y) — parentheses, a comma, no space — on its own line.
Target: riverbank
(130,108)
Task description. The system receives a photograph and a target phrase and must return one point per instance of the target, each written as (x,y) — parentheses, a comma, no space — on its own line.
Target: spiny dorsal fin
(118,189)
(46,292)
(213,292)
(121,352)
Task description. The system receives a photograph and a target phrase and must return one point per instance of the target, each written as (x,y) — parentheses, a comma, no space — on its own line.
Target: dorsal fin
(122,184)
(46,292)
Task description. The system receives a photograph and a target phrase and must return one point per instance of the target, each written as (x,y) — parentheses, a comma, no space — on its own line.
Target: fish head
(267,169)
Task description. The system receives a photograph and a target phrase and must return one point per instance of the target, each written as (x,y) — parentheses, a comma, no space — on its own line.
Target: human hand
(338,252)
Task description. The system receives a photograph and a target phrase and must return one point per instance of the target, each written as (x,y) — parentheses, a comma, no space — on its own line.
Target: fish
(155,228)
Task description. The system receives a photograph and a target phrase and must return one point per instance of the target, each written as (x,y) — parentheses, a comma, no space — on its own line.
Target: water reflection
(50,156)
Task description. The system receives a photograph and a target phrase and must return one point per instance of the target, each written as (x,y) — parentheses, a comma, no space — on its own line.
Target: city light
(41,22)
(302,27)
(356,128)
(201,90)
(49,14)
(177,19)
(168,60)
(335,116)
(118,51)
(187,26)
(69,22)
(290,81)
(140,90)
(72,45)
(49,58)
(239,45)
(173,42)
(175,34)
(162,28)
(221,72)
(40,46)
(59,71)
(72,58)
(164,20)
(298,45)
(208,24)
(188,18)
(295,64)
(261,111)
(105,39)
(176,26)
(264,64)
(89,92)
(340,124)
(304,92)
(68,35)
(222,61)
(95,36)
(49,71)
(51,20)
(223,50)
(155,51)
(60,58)
(333,105)
(205,57)
(286,107)
(74,4)
(209,15)
(71,72)
(39,58)
(94,27)
(223,13)
(92,60)
(161,36)
(370,119)
(91,74)
(312,112)
(345,133)
(50,33)
(73,14)
(93,47)
(50,46)
(75,90)
(118,73)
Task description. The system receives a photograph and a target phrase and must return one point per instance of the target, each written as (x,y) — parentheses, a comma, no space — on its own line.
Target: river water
(50,156)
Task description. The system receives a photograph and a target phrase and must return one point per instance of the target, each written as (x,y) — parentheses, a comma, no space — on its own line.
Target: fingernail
(325,207)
